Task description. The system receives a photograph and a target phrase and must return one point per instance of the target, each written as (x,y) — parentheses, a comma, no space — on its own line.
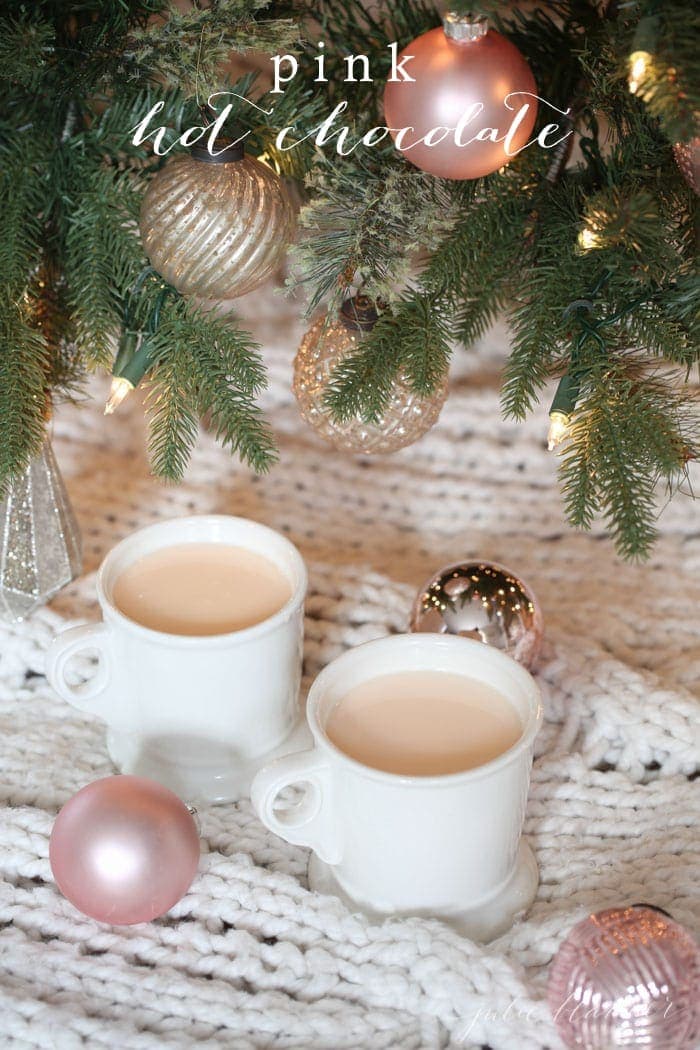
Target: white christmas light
(119,389)
(639,63)
(559,429)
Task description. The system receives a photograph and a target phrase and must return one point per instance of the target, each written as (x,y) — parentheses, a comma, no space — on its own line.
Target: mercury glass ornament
(627,977)
(216,227)
(41,549)
(408,415)
(485,601)
(687,155)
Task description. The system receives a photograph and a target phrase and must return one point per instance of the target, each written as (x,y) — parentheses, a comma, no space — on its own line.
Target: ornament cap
(359,313)
(465,28)
(228,152)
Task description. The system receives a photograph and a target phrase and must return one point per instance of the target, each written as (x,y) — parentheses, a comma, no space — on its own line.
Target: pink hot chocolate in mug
(197,702)
(391,840)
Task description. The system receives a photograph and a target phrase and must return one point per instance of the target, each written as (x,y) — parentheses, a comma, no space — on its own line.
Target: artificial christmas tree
(591,258)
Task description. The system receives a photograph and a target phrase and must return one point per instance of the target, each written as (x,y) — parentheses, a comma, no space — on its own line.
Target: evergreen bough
(444,258)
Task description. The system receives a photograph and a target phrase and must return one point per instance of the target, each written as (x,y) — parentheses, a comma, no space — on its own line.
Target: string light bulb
(127,374)
(588,239)
(135,356)
(644,46)
(559,429)
(562,409)
(119,389)
(639,66)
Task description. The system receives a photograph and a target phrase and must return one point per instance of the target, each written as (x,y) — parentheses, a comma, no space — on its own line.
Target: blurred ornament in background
(124,850)
(456,67)
(40,547)
(485,601)
(327,343)
(687,156)
(627,977)
(216,227)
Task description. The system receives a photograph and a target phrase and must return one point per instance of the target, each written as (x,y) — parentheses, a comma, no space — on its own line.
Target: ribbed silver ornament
(40,549)
(216,230)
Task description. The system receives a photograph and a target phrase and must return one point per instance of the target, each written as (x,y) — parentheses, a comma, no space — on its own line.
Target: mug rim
(426,639)
(229,638)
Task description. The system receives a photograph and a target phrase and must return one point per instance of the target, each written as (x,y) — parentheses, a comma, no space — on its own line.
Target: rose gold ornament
(687,156)
(408,415)
(485,601)
(216,229)
(462,65)
(627,977)
(124,850)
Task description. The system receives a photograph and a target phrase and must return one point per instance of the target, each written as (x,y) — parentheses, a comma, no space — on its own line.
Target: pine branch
(204,364)
(24,44)
(633,429)
(236,420)
(412,340)
(188,48)
(535,349)
(103,254)
(171,405)
(475,265)
(670,88)
(22,198)
(363,229)
(23,403)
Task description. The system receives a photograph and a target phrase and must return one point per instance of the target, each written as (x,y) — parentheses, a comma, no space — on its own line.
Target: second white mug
(198,713)
(447,845)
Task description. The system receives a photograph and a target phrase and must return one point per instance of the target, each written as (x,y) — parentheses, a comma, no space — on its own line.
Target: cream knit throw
(250,958)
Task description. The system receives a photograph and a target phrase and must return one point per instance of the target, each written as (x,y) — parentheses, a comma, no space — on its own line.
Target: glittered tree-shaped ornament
(41,550)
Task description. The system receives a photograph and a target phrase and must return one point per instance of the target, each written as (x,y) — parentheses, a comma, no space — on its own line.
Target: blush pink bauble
(627,977)
(451,74)
(124,850)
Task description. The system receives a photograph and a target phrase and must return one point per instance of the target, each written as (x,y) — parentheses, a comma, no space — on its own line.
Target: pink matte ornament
(124,850)
(451,74)
(627,977)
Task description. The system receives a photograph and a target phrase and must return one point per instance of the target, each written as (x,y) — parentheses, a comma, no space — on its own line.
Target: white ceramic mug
(200,714)
(447,846)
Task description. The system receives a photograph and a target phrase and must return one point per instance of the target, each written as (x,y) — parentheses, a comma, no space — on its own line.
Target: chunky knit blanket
(250,958)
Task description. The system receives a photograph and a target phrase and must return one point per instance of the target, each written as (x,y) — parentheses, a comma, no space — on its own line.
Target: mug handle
(311,822)
(73,642)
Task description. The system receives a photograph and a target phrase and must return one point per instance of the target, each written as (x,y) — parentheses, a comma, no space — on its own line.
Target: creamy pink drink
(423,723)
(201,589)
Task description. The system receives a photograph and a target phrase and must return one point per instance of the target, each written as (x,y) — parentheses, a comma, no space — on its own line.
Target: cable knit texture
(250,958)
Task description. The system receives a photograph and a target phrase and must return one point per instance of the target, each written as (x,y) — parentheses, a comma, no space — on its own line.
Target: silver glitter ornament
(484,601)
(216,228)
(41,550)
(407,417)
